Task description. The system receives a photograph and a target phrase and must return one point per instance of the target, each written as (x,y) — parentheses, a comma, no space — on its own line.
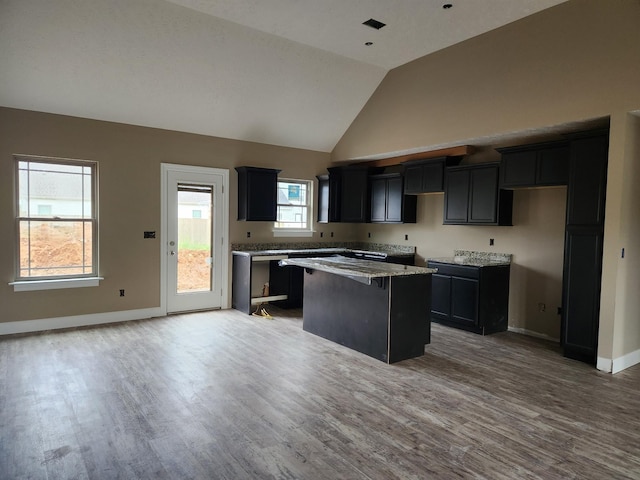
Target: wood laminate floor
(223,395)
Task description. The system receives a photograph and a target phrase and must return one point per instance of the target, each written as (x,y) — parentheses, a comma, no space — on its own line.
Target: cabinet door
(581,302)
(441,296)
(257,194)
(553,166)
(587,185)
(519,169)
(378,200)
(456,196)
(483,206)
(323,199)
(394,197)
(464,300)
(355,196)
(335,196)
(433,177)
(413,179)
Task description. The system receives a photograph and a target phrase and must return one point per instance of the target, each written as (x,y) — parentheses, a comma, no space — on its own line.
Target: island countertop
(357,269)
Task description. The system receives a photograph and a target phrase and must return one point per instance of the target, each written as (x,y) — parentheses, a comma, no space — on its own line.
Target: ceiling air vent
(374,24)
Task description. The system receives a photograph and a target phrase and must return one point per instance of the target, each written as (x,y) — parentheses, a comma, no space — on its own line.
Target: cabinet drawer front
(456,270)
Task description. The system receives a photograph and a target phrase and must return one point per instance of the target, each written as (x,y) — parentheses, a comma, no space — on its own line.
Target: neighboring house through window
(56,219)
(294,208)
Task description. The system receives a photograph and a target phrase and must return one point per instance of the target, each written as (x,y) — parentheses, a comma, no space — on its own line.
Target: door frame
(165,168)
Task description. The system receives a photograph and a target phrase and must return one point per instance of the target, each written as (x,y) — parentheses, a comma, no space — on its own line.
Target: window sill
(292,233)
(33,285)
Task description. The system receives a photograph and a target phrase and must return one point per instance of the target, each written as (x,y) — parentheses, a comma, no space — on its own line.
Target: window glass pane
(195,233)
(23,188)
(292,217)
(291,193)
(55,248)
(56,219)
(45,210)
(293,204)
(64,187)
(87,207)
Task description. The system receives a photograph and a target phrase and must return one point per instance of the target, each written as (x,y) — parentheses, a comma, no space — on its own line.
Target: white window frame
(297,232)
(52,282)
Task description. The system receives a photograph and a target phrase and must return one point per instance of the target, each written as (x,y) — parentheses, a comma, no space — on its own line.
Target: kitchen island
(379,309)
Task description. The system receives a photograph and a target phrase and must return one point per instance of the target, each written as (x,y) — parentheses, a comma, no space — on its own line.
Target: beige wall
(627,301)
(574,62)
(129,173)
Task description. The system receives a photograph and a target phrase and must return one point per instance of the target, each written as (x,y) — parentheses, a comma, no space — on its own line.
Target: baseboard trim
(56,323)
(531,333)
(604,364)
(625,361)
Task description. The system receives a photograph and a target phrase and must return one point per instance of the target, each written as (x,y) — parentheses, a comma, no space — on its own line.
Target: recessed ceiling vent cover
(374,24)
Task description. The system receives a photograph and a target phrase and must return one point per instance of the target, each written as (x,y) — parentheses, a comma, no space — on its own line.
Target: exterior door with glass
(195,218)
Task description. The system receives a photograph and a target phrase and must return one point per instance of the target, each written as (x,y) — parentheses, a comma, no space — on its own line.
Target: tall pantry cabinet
(583,246)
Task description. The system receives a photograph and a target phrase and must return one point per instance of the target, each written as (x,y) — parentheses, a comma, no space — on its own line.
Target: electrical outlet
(369,234)
(248,234)
(149,234)
(321,234)
(491,241)
(542,307)
(406,237)
(331,234)
(122,292)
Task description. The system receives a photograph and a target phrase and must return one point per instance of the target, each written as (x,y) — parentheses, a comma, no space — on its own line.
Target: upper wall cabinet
(541,164)
(257,194)
(426,176)
(349,194)
(472,196)
(323,198)
(389,204)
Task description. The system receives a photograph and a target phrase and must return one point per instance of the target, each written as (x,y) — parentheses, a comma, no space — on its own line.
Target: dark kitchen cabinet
(542,164)
(257,194)
(469,297)
(472,196)
(323,198)
(584,236)
(426,176)
(389,204)
(349,194)
(355,202)
(335,194)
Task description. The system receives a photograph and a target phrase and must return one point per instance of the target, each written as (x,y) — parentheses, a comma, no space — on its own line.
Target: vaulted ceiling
(285,72)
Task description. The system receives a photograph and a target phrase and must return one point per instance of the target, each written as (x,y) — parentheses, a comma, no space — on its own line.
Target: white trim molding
(604,364)
(625,361)
(56,323)
(55,284)
(616,365)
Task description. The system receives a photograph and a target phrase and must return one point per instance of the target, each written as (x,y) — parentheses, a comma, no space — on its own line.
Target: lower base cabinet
(470,298)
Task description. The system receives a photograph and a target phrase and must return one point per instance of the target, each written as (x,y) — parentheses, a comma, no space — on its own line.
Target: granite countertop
(288,251)
(382,250)
(357,269)
(475,259)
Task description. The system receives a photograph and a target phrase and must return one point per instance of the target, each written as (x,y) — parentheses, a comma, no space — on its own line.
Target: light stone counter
(475,259)
(360,270)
